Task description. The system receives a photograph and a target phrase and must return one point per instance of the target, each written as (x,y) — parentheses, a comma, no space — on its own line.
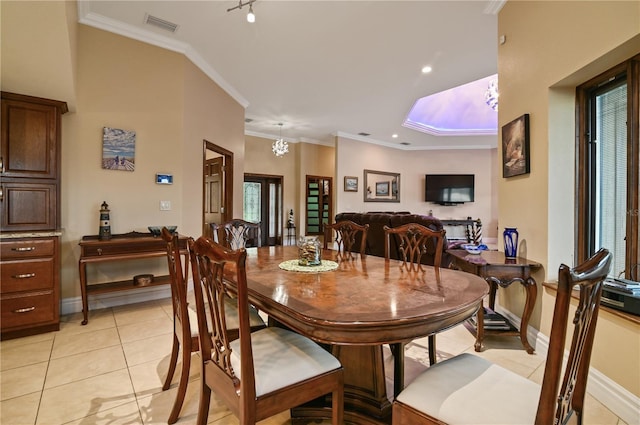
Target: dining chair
(414,241)
(261,373)
(237,233)
(469,389)
(347,233)
(185,321)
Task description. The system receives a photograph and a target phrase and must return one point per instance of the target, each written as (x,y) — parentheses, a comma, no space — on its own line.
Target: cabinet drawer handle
(99,251)
(1,164)
(24,249)
(23,276)
(24,310)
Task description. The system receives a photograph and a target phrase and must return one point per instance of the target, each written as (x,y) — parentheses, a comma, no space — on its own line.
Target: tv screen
(449,189)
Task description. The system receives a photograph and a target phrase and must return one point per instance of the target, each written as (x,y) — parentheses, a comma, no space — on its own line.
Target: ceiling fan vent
(160,23)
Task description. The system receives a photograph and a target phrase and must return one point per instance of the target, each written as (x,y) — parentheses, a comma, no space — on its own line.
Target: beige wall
(550,48)
(125,84)
(353,157)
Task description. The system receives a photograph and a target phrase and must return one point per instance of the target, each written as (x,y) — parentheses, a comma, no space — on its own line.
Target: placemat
(293,266)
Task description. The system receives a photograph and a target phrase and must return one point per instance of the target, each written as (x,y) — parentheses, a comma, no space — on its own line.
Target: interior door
(217,189)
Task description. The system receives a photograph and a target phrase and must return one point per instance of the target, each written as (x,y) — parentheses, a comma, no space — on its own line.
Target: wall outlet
(165,205)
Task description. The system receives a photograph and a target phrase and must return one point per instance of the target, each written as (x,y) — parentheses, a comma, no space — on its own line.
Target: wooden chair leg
(398,368)
(182,386)
(337,407)
(172,362)
(432,349)
(205,400)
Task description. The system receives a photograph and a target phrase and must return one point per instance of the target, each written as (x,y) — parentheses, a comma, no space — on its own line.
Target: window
(607,180)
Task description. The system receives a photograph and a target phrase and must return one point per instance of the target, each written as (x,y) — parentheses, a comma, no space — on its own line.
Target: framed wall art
(118,149)
(381,186)
(382,189)
(515,147)
(350,184)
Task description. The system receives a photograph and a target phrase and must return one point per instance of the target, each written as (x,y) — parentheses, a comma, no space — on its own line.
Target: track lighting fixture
(251,17)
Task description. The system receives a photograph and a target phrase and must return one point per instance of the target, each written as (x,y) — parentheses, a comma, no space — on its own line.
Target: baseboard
(113,299)
(621,402)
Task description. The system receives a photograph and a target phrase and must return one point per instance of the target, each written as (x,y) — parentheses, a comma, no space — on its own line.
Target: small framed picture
(350,184)
(382,189)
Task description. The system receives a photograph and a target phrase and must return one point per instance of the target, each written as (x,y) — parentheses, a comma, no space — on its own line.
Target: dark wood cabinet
(30,162)
(30,214)
(30,286)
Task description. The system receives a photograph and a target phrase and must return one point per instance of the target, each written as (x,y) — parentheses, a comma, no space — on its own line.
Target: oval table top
(365,301)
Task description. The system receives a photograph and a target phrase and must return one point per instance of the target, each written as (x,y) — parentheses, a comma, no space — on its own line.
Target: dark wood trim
(631,68)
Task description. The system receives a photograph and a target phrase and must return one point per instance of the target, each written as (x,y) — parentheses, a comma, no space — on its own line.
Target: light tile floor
(111,371)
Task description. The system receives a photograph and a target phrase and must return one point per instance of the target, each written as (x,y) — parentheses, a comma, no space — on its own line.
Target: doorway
(217,194)
(262,202)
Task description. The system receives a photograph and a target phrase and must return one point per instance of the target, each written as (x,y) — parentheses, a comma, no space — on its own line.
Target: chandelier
(280,146)
(491,95)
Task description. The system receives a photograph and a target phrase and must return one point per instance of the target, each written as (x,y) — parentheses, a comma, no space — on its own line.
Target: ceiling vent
(160,23)
(364,134)
(248,119)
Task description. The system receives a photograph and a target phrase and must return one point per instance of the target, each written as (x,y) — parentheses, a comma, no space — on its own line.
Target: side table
(291,234)
(127,246)
(500,271)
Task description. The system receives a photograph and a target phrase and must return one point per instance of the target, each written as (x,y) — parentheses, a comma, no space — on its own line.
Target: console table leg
(532,292)
(83,289)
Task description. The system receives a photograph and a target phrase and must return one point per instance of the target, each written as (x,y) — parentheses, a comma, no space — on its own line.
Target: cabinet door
(29,139)
(28,205)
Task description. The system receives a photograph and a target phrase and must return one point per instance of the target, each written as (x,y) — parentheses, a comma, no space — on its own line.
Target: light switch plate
(165,205)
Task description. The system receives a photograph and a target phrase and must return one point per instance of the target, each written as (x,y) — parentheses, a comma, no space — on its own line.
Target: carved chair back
(237,233)
(588,278)
(347,233)
(184,333)
(414,241)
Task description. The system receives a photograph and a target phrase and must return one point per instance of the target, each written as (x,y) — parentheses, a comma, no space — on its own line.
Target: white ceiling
(325,68)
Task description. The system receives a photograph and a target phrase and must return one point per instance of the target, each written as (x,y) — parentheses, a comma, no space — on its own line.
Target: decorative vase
(510,235)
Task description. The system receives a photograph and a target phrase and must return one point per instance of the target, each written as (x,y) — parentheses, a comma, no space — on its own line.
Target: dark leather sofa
(376,238)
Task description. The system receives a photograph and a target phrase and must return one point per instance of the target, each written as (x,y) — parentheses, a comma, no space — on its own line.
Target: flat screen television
(449,189)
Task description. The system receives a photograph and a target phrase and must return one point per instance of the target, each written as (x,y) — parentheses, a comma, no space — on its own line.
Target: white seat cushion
(282,357)
(468,389)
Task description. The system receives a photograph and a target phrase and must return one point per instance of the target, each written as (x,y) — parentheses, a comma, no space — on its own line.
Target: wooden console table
(127,246)
(497,270)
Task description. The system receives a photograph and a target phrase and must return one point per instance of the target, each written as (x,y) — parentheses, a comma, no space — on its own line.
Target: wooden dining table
(357,308)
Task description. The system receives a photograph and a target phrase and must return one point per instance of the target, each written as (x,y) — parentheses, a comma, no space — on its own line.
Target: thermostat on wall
(164,178)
